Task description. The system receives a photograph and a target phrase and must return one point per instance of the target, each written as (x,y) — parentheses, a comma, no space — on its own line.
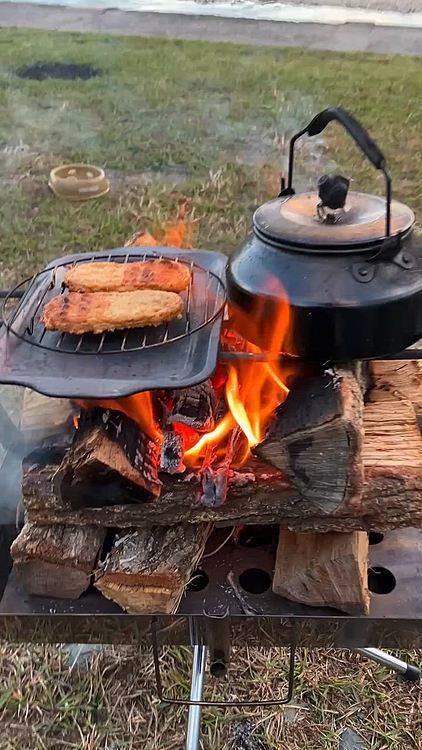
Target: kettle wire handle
(372,152)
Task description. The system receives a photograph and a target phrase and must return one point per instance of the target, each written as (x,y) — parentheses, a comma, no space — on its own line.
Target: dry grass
(112,703)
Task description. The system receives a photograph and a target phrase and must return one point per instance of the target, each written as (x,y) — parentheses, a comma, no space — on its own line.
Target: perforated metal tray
(113,365)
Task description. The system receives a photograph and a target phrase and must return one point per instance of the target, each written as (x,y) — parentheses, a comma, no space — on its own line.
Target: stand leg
(196,692)
(408,672)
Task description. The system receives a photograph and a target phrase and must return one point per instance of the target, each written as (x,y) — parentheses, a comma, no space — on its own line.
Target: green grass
(216,117)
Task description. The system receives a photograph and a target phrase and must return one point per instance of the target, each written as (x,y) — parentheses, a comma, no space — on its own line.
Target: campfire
(244,446)
(259,407)
(210,428)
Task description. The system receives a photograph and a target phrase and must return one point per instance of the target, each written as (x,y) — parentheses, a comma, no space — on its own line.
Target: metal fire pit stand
(205,617)
(196,702)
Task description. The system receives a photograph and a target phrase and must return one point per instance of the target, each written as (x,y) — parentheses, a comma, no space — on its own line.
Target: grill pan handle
(359,135)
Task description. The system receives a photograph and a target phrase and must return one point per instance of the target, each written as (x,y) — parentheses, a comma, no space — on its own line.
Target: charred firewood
(195,407)
(215,475)
(215,484)
(110,457)
(172,450)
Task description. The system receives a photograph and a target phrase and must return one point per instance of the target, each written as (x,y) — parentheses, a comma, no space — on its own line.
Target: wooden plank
(316,437)
(146,571)
(324,570)
(57,561)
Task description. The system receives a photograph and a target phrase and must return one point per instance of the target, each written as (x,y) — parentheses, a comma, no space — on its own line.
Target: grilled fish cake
(108,311)
(166,275)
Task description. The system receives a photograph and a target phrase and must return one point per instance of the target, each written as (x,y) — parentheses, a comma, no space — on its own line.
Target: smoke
(12,450)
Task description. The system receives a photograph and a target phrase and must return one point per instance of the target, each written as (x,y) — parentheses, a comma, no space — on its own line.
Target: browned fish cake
(108,311)
(166,275)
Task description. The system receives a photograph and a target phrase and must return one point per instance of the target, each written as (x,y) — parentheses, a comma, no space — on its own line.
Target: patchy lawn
(170,119)
(112,703)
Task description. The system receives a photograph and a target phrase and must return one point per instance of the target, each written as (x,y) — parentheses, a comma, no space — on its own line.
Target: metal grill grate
(204,301)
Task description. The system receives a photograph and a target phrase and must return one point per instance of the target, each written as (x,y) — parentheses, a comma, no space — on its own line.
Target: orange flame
(178,234)
(253,390)
(138,407)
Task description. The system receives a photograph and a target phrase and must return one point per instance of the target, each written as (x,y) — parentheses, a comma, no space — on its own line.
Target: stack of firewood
(342,456)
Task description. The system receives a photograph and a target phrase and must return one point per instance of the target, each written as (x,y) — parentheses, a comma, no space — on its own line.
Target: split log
(260,493)
(147,571)
(110,457)
(56,561)
(316,437)
(396,380)
(384,422)
(324,570)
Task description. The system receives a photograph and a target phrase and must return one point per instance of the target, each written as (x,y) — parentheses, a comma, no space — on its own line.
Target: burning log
(57,561)
(147,571)
(110,457)
(316,438)
(214,486)
(261,493)
(324,570)
(215,476)
(195,407)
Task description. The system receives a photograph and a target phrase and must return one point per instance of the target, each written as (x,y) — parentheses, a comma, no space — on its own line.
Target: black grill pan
(177,355)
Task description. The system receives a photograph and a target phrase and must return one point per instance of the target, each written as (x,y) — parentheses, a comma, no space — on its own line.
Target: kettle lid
(302,221)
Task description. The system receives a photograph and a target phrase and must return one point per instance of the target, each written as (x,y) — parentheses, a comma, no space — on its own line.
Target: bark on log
(324,570)
(259,493)
(109,452)
(147,571)
(57,561)
(316,438)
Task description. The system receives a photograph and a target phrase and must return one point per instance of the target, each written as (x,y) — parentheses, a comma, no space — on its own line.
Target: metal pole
(196,693)
(408,671)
